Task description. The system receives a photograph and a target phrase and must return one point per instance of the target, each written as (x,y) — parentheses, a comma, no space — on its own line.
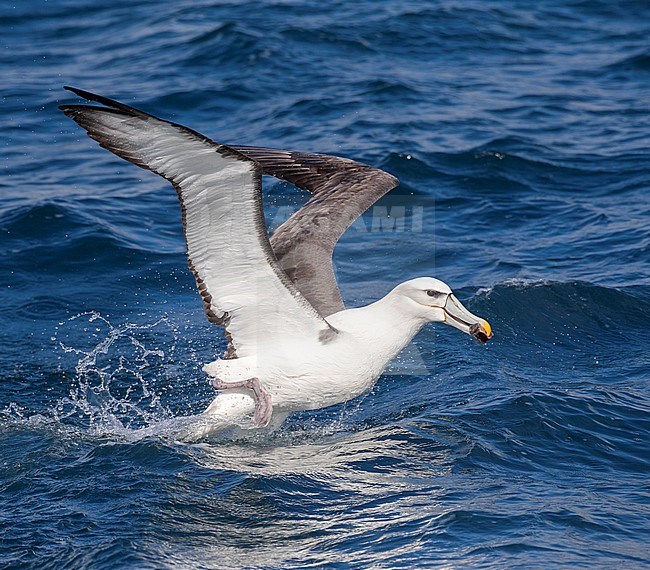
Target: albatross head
(432,300)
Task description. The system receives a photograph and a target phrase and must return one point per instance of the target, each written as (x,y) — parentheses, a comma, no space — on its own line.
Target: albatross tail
(230,414)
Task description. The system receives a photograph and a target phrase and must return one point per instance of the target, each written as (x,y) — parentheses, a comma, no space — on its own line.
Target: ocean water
(520,132)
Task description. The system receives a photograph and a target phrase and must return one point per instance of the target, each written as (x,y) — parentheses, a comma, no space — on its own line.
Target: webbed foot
(263,405)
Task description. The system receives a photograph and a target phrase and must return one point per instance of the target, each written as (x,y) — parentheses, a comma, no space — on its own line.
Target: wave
(53,234)
(633,63)
(591,428)
(41,221)
(568,314)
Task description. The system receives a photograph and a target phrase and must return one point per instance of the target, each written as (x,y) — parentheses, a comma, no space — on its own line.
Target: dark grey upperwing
(341,190)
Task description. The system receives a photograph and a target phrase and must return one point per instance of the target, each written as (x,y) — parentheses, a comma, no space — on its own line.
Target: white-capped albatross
(292,343)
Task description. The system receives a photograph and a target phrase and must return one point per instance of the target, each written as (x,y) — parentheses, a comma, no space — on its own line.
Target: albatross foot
(263,405)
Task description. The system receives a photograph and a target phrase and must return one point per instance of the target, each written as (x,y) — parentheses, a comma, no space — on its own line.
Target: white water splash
(513,282)
(120,378)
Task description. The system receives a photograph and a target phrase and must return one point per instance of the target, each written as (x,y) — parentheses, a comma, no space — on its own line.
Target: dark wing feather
(341,190)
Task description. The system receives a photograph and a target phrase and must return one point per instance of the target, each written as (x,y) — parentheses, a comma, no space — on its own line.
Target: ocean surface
(520,132)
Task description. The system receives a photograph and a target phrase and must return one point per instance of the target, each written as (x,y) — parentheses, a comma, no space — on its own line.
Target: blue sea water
(520,132)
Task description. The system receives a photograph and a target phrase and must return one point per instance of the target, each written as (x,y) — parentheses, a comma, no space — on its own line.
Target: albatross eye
(431,293)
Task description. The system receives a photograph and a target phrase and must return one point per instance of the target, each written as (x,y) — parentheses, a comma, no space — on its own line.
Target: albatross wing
(241,283)
(341,190)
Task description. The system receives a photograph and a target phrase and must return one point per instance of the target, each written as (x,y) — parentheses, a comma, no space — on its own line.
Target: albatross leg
(263,406)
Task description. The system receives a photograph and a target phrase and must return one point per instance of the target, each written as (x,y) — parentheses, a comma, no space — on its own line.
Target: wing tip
(75,90)
(90,96)
(111,104)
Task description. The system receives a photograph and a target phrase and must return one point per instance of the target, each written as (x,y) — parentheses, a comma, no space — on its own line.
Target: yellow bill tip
(487,328)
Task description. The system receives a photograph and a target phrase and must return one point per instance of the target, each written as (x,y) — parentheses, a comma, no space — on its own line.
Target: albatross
(292,344)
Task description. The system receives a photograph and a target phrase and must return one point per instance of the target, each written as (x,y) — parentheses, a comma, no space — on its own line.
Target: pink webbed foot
(263,405)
